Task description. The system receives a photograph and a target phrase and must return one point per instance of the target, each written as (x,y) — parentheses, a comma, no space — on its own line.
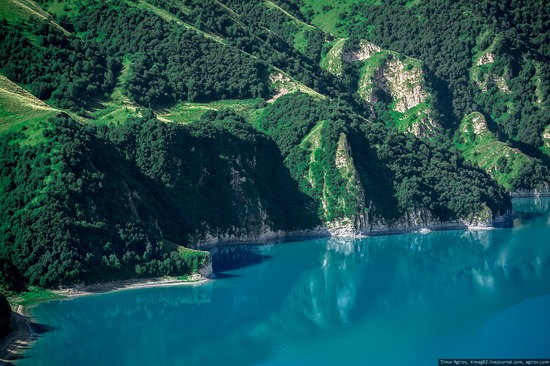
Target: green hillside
(507,165)
(133,133)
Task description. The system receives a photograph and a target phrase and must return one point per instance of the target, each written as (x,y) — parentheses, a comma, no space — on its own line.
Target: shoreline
(19,339)
(106,287)
(320,234)
(23,334)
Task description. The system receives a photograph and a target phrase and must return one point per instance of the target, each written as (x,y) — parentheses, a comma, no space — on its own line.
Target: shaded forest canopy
(158,125)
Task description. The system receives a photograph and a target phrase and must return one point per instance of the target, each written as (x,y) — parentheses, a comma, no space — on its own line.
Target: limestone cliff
(354,209)
(343,206)
(396,78)
(421,218)
(365,51)
(281,84)
(485,68)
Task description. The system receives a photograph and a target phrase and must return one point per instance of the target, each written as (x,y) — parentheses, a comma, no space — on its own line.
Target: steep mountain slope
(489,57)
(367,179)
(134,130)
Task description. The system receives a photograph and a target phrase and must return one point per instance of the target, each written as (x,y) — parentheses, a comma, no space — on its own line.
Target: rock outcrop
(400,78)
(283,84)
(418,219)
(366,50)
(405,85)
(355,210)
(483,71)
(542,191)
(421,218)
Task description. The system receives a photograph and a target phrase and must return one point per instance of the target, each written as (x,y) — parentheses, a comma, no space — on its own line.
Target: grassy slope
(404,121)
(34,295)
(19,109)
(117,108)
(16,11)
(482,148)
(187,112)
(329,21)
(332,60)
(312,143)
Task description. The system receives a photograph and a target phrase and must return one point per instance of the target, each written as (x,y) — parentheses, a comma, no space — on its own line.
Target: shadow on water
(223,275)
(529,215)
(13,358)
(231,258)
(39,328)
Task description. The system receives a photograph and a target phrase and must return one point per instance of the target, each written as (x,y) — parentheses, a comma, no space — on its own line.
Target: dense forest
(132,133)
(91,203)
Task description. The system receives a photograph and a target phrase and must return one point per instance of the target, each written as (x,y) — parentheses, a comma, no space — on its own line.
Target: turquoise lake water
(387,300)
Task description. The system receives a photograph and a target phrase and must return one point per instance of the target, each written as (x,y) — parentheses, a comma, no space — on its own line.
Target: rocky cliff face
(399,78)
(484,71)
(254,221)
(421,218)
(343,204)
(342,197)
(354,209)
(542,191)
(366,50)
(361,225)
(406,85)
(418,218)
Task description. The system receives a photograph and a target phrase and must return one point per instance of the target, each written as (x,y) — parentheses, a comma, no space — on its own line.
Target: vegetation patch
(192,112)
(21,111)
(332,16)
(332,60)
(504,163)
(34,295)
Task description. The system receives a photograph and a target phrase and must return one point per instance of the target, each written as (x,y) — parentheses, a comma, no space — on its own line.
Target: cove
(405,299)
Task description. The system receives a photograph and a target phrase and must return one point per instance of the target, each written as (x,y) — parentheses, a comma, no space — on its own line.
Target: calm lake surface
(388,300)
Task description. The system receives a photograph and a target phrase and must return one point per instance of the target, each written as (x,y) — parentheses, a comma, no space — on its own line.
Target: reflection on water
(328,301)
